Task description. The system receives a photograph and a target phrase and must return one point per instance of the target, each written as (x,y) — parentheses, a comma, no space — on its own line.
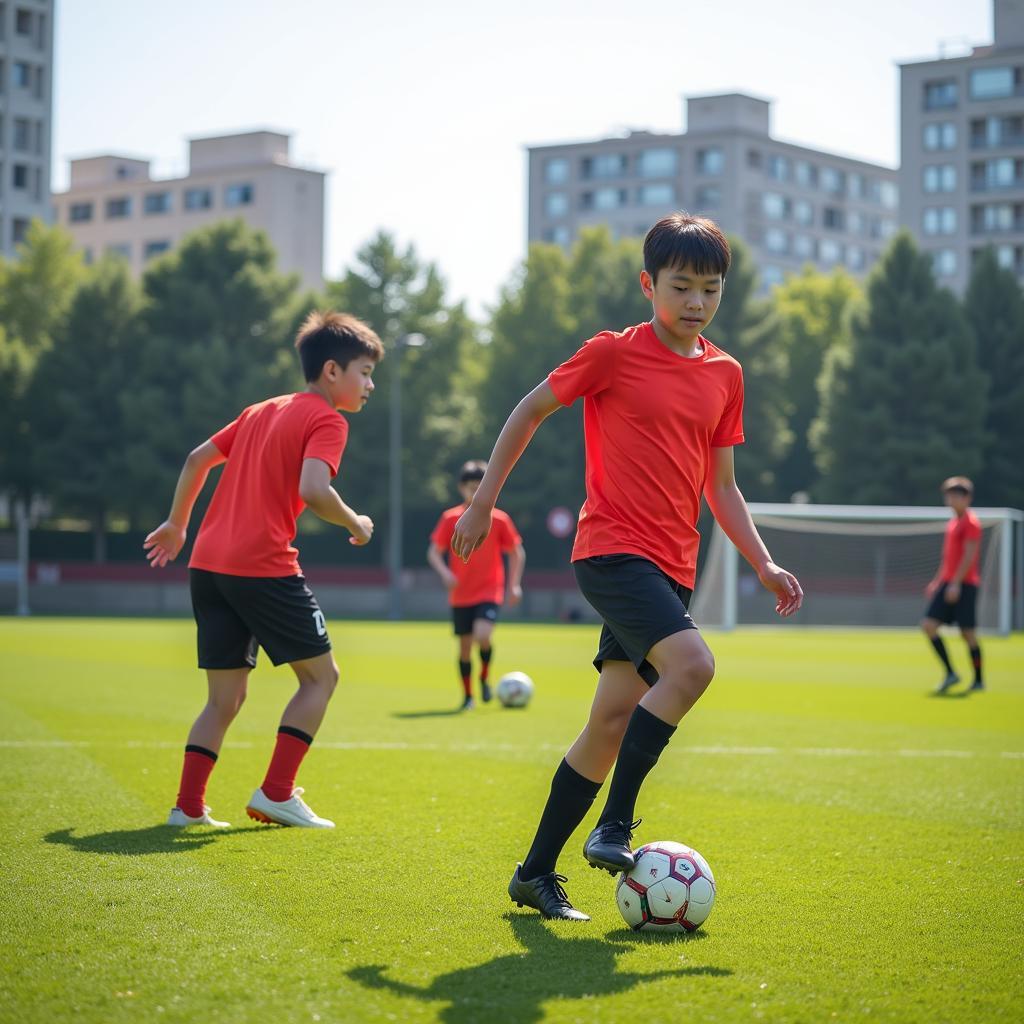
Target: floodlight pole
(21,524)
(395,477)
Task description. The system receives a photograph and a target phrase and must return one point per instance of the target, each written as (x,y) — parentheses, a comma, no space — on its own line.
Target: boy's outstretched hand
(164,544)
(785,586)
(470,531)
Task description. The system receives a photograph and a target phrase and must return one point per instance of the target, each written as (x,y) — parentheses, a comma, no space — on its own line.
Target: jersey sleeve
(507,534)
(326,441)
(730,425)
(443,532)
(971,529)
(225,437)
(588,372)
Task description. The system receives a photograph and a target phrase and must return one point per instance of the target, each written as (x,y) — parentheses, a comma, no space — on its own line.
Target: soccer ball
(670,889)
(515,690)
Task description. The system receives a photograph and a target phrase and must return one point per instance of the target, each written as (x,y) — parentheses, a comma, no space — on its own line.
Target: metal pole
(730,571)
(1018,591)
(1005,576)
(395,490)
(21,522)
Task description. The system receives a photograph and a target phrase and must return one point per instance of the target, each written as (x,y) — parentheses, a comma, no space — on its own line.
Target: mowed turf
(867,839)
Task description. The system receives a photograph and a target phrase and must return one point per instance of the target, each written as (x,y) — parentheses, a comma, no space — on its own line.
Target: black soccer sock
(940,650)
(485,662)
(466,675)
(646,737)
(976,662)
(570,799)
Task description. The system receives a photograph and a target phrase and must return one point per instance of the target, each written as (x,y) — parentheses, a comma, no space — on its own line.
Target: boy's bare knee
(928,627)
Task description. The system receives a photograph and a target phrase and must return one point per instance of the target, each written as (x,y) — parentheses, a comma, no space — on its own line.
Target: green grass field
(868,840)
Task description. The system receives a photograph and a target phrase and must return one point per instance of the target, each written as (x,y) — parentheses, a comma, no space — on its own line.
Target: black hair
(472,470)
(327,335)
(681,240)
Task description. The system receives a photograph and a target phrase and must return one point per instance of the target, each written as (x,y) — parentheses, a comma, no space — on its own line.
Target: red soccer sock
(291,747)
(195,773)
(466,672)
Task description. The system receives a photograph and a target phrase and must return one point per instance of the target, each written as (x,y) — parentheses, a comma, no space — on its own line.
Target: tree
(813,312)
(214,338)
(904,406)
(746,327)
(79,388)
(994,305)
(36,290)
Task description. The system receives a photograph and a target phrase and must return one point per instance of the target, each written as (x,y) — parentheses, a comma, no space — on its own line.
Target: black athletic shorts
(237,614)
(963,612)
(639,604)
(464,615)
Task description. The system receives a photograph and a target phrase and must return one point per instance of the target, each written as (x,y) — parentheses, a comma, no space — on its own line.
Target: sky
(420,113)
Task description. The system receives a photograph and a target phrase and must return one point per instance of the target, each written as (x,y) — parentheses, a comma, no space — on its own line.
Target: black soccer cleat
(467,704)
(485,692)
(544,893)
(951,680)
(976,687)
(608,847)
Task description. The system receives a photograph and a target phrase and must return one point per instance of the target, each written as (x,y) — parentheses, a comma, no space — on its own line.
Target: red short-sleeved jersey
(650,419)
(250,524)
(482,578)
(959,530)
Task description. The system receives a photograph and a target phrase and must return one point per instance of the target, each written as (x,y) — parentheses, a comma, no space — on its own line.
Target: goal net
(860,565)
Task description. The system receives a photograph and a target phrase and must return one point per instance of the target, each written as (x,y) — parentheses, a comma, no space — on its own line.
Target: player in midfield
(954,588)
(247,588)
(662,411)
(476,589)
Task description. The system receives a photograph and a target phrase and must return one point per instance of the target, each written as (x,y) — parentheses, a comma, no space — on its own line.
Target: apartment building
(26,115)
(962,151)
(114,205)
(792,205)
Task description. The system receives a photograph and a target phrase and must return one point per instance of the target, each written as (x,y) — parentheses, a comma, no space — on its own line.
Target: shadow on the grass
(436,713)
(560,962)
(152,839)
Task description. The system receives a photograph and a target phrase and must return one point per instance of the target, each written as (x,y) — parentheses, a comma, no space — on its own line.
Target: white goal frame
(722,554)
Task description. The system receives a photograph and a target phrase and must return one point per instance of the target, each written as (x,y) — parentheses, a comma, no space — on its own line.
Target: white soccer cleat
(293,811)
(180,819)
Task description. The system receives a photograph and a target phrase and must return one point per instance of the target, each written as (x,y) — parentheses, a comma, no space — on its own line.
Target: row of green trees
(852,395)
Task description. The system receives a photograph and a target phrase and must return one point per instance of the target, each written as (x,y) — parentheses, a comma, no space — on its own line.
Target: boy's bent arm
(527,416)
(324,501)
(516,565)
(435,556)
(164,543)
(730,510)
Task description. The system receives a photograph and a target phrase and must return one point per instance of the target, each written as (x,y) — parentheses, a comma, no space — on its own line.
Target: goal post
(860,565)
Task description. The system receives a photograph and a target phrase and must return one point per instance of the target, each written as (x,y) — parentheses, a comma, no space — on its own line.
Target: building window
(707,197)
(79,213)
(22,135)
(154,249)
(779,167)
(238,195)
(833,181)
(939,178)
(657,163)
(997,217)
(198,198)
(997,131)
(855,257)
(19,230)
(87,255)
(754,159)
(19,175)
(556,204)
(23,22)
(939,220)
(856,186)
(1005,256)
(803,247)
(710,160)
(656,195)
(1003,172)
(940,135)
(120,206)
(604,199)
(157,202)
(120,250)
(991,83)
(889,194)
(855,222)
(556,170)
(22,75)
(776,240)
(833,218)
(803,212)
(944,262)
(774,206)
(805,173)
(940,95)
(559,235)
(771,275)
(604,165)
(829,251)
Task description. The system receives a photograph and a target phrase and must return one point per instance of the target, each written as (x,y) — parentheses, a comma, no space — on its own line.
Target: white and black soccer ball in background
(515,690)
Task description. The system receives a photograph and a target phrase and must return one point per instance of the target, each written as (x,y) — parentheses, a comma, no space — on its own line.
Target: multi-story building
(113,205)
(792,205)
(26,107)
(962,151)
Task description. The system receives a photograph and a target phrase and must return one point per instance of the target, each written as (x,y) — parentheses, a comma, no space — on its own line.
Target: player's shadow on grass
(948,695)
(152,839)
(513,989)
(434,713)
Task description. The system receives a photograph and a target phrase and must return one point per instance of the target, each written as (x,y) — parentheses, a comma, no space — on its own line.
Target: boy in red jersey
(662,411)
(954,588)
(476,589)
(247,587)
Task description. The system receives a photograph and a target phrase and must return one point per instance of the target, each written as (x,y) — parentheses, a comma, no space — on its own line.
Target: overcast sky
(420,112)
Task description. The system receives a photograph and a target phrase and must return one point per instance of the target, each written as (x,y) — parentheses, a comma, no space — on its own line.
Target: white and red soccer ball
(670,889)
(515,690)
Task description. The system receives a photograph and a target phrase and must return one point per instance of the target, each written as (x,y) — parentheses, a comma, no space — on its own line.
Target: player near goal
(247,587)
(662,412)
(476,589)
(954,588)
